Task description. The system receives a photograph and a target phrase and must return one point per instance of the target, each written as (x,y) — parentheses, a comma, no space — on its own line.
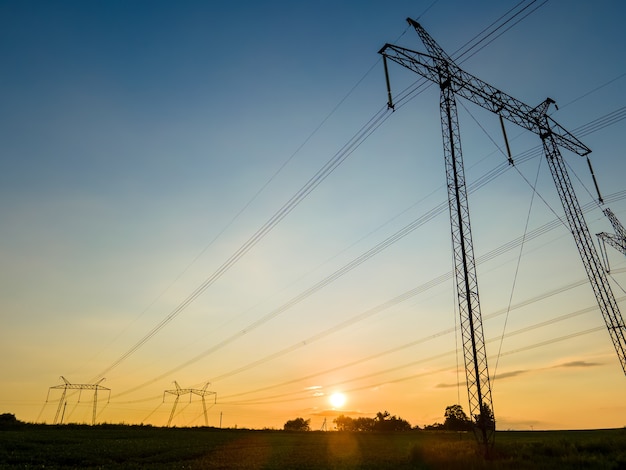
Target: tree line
(455,419)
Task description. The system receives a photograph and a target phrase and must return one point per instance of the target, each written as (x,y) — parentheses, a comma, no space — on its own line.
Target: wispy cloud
(578,364)
(517,373)
(450,385)
(513,373)
(504,375)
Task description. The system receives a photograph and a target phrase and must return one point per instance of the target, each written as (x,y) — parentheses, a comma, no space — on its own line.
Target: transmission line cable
(507,29)
(413,343)
(400,298)
(346,268)
(389,241)
(492,315)
(253,240)
(534,191)
(304,191)
(517,266)
(593,90)
(282,397)
(412,91)
(265,185)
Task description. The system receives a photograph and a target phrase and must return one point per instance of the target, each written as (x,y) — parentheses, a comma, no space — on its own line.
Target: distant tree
(298,424)
(385,422)
(433,427)
(456,419)
(364,424)
(344,423)
(485,418)
(382,422)
(8,419)
(382,416)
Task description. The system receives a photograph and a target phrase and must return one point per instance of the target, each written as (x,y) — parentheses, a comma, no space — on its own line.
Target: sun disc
(337,399)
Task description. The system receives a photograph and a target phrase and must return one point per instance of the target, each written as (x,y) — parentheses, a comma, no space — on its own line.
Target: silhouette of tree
(385,422)
(344,423)
(456,419)
(364,424)
(434,427)
(485,418)
(382,422)
(8,419)
(298,424)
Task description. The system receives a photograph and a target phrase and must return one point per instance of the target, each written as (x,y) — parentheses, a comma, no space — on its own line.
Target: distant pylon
(80,387)
(203,392)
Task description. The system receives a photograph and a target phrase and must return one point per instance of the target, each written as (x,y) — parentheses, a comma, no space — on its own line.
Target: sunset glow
(217,194)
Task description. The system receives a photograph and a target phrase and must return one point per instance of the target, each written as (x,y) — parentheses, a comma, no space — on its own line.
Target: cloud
(446,385)
(578,364)
(516,373)
(504,375)
(513,373)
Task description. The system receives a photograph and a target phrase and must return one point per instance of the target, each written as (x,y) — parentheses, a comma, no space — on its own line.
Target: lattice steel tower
(439,68)
(80,387)
(201,392)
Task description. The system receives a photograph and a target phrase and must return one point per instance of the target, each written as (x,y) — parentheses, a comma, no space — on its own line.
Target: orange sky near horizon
(147,152)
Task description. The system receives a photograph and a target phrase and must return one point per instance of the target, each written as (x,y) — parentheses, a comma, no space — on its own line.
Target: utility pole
(80,387)
(439,68)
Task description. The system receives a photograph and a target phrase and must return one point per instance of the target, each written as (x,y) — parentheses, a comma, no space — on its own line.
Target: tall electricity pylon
(617,240)
(203,392)
(439,68)
(80,387)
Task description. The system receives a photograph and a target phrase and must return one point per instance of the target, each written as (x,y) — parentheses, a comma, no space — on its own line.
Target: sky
(215,192)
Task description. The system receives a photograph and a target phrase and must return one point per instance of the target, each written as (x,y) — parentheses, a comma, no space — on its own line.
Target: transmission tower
(617,240)
(80,387)
(202,392)
(439,68)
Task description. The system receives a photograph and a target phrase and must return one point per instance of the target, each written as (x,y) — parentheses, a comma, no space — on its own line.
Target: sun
(337,399)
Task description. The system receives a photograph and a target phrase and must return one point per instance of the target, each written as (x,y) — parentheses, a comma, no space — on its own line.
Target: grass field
(109,446)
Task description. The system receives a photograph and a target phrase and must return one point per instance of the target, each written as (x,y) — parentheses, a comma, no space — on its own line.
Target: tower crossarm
(620,231)
(616,242)
(443,71)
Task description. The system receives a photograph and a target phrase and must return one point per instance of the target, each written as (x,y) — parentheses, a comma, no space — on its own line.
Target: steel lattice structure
(178,391)
(466,280)
(439,68)
(80,387)
(617,240)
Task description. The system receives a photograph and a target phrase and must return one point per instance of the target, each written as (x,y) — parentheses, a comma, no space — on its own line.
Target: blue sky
(142,144)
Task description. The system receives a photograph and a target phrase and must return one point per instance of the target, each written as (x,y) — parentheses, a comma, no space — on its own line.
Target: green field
(109,446)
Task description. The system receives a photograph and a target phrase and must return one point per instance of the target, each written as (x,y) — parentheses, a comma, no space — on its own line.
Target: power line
(375,310)
(429,215)
(432,358)
(255,238)
(278,216)
(244,208)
